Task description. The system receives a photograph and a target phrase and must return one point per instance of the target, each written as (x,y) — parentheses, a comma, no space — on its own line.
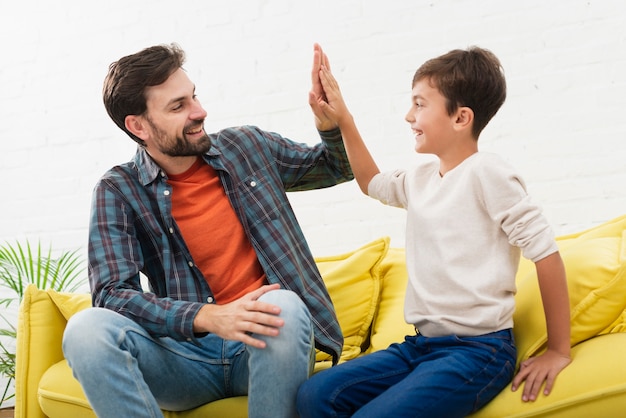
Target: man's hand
(537,370)
(329,107)
(317,94)
(334,107)
(239,319)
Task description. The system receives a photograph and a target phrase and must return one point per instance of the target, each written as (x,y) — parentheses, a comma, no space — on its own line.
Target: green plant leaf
(21,265)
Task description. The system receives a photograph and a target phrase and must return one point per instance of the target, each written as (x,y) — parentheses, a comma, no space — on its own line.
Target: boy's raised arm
(329,103)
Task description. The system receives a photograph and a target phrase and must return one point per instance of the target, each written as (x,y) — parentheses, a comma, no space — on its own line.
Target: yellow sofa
(367,288)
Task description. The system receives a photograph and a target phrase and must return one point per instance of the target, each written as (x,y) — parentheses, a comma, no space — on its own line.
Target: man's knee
(288,301)
(87,330)
(82,324)
(297,331)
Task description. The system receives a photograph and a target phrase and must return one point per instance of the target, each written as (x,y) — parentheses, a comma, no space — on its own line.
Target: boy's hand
(331,110)
(537,370)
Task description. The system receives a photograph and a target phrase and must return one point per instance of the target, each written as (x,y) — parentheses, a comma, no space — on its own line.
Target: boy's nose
(409,117)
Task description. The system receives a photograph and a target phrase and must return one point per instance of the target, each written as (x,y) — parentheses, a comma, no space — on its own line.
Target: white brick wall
(562,124)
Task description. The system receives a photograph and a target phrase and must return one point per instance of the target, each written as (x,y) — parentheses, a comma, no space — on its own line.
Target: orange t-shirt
(214,234)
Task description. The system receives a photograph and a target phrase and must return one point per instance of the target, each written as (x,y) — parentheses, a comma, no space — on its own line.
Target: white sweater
(464,235)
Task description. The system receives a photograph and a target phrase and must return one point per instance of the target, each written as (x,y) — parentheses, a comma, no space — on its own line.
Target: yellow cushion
(61,395)
(70,303)
(619,325)
(389,325)
(593,385)
(353,282)
(596,276)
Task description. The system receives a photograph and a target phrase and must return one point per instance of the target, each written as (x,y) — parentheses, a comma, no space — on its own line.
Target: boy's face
(429,119)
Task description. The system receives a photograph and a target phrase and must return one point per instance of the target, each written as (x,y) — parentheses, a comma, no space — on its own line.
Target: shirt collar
(149,170)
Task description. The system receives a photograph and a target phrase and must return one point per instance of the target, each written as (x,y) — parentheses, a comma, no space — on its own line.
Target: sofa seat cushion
(59,393)
(592,386)
(60,396)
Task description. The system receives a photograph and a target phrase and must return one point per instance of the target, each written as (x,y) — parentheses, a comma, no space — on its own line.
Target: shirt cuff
(332,135)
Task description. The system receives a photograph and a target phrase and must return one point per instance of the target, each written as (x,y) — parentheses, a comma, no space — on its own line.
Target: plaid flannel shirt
(132,230)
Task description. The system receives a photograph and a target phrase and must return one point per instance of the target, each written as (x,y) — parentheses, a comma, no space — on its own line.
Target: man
(236,304)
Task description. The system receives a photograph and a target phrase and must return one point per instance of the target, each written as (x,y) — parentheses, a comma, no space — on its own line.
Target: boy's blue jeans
(125,372)
(422,377)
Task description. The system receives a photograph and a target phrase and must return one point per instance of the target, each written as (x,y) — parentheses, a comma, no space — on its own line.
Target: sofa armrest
(40,328)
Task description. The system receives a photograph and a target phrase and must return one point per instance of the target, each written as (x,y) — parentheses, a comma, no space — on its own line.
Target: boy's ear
(464,118)
(137,126)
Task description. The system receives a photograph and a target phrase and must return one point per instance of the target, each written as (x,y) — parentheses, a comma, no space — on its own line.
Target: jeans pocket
(501,379)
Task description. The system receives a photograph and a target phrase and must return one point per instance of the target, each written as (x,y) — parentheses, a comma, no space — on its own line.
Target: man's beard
(181,146)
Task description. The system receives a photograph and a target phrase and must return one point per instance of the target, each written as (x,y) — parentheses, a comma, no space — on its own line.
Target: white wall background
(563,123)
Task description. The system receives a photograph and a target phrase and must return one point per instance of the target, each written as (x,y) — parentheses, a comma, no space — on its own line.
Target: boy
(469,217)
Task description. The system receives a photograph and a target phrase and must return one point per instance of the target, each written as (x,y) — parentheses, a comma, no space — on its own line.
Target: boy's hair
(471,78)
(125,85)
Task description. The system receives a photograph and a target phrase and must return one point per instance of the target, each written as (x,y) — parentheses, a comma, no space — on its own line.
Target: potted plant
(21,265)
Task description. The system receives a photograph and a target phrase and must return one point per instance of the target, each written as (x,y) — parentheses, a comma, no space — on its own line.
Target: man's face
(175,118)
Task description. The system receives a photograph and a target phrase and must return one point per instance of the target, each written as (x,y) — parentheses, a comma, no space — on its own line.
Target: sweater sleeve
(507,201)
(389,188)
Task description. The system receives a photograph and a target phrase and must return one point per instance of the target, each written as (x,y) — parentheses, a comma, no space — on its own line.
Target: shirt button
(190,264)
(253,183)
(171,230)
(166,192)
(210,299)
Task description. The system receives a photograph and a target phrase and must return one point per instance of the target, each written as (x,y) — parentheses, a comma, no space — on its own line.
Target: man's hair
(124,90)
(471,78)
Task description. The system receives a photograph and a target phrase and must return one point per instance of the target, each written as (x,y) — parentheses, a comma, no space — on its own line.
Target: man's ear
(137,126)
(464,118)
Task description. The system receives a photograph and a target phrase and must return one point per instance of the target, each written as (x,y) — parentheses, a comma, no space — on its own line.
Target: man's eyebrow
(181,98)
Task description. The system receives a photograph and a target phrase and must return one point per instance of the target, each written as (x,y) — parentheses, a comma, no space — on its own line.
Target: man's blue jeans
(422,377)
(125,372)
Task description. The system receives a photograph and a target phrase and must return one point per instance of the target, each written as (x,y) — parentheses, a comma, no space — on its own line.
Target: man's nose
(198,112)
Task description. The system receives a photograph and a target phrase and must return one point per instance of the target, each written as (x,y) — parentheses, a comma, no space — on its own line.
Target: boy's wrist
(346,121)
(562,351)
